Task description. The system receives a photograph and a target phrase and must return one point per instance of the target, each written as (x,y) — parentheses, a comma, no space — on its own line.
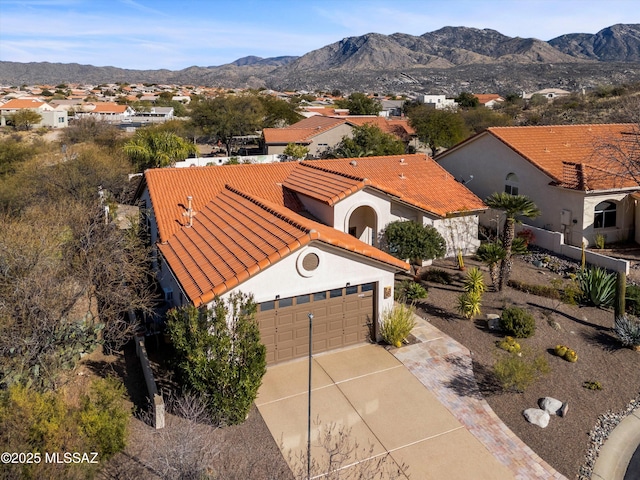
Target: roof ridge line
(340,174)
(270,208)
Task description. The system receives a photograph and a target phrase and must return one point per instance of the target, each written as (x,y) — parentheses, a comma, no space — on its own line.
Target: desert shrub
(627,329)
(104,416)
(474,281)
(598,287)
(437,275)
(539,290)
(632,304)
(219,355)
(527,235)
(517,322)
(397,323)
(509,344)
(516,373)
(410,290)
(468,304)
(32,421)
(567,353)
(592,385)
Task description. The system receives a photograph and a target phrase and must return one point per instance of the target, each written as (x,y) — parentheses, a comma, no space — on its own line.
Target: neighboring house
(439,102)
(301,237)
(489,100)
(581,191)
(51,117)
(320,133)
(154,115)
(548,93)
(111,112)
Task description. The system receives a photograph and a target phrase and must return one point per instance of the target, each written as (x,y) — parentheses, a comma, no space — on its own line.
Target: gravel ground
(564,444)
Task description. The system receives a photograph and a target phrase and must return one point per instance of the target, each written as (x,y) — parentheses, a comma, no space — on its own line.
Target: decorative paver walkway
(444,366)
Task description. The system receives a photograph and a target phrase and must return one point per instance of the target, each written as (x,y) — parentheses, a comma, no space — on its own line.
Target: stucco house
(320,133)
(110,112)
(52,117)
(302,237)
(578,184)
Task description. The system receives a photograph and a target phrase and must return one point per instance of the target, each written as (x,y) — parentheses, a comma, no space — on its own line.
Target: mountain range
(448,60)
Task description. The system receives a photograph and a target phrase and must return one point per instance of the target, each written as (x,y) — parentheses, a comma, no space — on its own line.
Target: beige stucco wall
(337,267)
(320,143)
(490,161)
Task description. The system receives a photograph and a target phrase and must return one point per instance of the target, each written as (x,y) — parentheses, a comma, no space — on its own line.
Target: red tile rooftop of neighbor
(575,156)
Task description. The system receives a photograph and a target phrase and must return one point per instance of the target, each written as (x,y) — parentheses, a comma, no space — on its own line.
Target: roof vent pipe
(189,213)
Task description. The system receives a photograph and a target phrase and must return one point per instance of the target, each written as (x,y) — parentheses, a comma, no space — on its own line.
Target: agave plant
(598,287)
(474,281)
(469,304)
(627,329)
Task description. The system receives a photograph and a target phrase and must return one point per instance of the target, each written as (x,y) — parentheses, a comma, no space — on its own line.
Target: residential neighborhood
(415,264)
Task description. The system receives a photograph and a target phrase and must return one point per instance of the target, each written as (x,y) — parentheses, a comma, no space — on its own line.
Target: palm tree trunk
(507,242)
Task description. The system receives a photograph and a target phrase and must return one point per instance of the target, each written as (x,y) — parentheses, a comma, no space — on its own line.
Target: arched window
(511,184)
(604,215)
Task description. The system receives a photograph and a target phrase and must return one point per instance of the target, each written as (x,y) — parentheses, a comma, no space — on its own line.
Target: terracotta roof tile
(323,185)
(414,179)
(18,103)
(106,107)
(574,156)
(236,235)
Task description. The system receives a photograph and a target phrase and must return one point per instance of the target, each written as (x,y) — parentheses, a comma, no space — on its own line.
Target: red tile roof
(414,179)
(109,108)
(235,236)
(574,156)
(484,98)
(18,103)
(249,216)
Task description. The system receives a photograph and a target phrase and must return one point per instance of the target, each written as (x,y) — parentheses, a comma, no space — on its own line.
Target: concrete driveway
(369,391)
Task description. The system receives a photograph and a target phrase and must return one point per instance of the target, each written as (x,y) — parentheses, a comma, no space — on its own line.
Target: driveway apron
(369,391)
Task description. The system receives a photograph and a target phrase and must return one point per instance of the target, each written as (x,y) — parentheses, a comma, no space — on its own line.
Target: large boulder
(553,406)
(537,417)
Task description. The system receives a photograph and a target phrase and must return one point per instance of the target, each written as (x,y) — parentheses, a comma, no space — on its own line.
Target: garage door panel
(341,318)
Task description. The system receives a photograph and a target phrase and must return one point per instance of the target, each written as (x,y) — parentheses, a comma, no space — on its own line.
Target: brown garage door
(341,317)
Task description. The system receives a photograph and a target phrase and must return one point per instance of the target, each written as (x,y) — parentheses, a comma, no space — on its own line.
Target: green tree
(219,354)
(298,152)
(278,113)
(481,118)
(360,104)
(149,149)
(367,141)
(226,117)
(413,241)
(24,119)
(467,100)
(437,128)
(513,206)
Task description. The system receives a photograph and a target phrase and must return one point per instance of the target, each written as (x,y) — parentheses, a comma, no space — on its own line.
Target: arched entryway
(363,224)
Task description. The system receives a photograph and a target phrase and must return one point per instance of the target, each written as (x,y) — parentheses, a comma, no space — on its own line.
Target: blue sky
(152,34)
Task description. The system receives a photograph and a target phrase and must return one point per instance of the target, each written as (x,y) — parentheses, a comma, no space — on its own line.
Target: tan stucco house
(52,117)
(320,133)
(577,182)
(302,237)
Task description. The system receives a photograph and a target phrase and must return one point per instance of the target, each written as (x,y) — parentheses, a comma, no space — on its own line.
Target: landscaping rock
(493,321)
(537,417)
(550,405)
(564,409)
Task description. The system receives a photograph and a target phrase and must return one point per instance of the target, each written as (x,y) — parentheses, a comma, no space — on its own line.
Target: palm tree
(151,148)
(492,254)
(513,206)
